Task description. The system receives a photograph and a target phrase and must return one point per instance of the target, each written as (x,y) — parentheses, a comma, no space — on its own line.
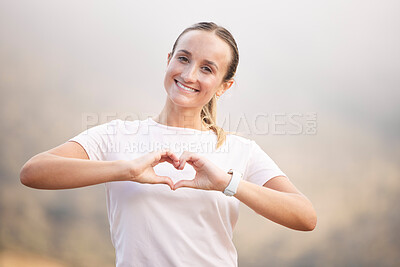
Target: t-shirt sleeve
(260,167)
(99,140)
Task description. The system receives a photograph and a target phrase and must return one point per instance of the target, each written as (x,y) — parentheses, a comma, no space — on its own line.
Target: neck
(176,116)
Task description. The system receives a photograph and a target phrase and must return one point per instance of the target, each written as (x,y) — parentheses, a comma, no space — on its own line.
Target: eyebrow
(209,62)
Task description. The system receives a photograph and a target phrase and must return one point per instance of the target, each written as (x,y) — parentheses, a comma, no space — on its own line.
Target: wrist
(125,170)
(226,178)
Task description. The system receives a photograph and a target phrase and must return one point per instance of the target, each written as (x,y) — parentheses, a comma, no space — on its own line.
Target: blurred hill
(16,259)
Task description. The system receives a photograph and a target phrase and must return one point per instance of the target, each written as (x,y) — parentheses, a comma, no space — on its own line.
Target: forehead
(205,45)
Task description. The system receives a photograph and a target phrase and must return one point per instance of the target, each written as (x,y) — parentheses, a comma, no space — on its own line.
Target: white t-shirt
(151,225)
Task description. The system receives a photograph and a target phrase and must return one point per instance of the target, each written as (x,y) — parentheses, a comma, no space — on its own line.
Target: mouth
(186,88)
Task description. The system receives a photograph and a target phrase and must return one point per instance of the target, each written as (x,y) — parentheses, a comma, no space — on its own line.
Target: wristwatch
(231,189)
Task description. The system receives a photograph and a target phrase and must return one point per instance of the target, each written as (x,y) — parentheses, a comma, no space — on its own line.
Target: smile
(188,89)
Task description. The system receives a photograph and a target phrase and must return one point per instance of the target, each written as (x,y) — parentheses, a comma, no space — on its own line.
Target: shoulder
(236,138)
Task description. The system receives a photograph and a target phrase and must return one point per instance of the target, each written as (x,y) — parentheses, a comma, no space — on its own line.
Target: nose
(189,74)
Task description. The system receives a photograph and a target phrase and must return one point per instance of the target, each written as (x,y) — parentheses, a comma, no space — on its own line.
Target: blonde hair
(209,111)
(209,118)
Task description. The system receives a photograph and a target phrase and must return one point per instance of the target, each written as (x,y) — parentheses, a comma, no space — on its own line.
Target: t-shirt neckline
(177,128)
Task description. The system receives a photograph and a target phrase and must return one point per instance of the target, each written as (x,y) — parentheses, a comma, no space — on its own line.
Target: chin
(181,101)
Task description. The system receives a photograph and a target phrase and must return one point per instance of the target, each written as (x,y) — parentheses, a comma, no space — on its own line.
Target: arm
(279,201)
(68,166)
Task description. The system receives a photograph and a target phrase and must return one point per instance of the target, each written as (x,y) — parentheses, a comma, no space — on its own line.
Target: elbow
(32,172)
(29,172)
(310,226)
(25,175)
(308,217)
(305,219)
(309,222)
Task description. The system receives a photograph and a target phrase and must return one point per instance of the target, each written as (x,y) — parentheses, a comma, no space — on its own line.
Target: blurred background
(318,87)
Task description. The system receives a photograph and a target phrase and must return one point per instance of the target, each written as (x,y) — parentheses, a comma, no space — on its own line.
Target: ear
(168,58)
(225,86)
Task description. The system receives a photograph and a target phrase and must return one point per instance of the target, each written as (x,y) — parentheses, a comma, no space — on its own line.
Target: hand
(208,175)
(142,170)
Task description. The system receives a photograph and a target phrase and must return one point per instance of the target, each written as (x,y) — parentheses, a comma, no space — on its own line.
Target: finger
(191,158)
(165,180)
(156,157)
(172,156)
(165,159)
(168,156)
(183,159)
(185,183)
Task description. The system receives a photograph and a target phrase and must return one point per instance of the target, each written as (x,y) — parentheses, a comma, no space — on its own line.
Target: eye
(207,69)
(183,59)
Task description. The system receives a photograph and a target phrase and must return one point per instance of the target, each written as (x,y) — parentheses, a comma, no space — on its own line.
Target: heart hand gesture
(142,170)
(208,175)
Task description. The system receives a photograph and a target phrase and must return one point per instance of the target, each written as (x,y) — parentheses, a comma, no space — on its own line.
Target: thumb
(185,183)
(165,180)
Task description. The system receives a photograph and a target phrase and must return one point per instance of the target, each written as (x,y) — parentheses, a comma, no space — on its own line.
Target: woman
(174,182)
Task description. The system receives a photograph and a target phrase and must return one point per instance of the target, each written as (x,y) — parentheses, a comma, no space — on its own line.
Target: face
(196,70)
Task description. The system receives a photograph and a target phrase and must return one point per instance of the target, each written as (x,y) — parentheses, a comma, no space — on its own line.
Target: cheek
(169,73)
(211,85)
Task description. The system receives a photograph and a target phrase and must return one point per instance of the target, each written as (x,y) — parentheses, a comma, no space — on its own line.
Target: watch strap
(231,189)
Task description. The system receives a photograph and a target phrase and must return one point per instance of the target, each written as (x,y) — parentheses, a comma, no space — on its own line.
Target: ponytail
(209,118)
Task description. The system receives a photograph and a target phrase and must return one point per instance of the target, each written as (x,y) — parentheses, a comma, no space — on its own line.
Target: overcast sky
(336,58)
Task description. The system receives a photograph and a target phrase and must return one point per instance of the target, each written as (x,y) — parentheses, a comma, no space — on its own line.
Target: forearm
(288,209)
(48,171)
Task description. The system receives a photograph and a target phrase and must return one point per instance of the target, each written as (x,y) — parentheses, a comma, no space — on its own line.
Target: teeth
(185,88)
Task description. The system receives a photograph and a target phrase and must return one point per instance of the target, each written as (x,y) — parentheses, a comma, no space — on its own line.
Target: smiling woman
(203,62)
(195,74)
(177,206)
